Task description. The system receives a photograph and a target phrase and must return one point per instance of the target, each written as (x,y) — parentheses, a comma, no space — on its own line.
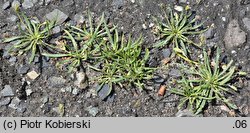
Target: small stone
(166,53)
(184,113)
(175,73)
(7,91)
(224,108)
(132,1)
(151,25)
(81,81)
(29,92)
(246,22)
(14,103)
(92,110)
(21,108)
(118,3)
(12,60)
(209,34)
(15,4)
(144,26)
(47,2)
(68,89)
(56,81)
(12,18)
(28,3)
(182,1)
(68,3)
(178,8)
(6,5)
(23,69)
(45,99)
(5,101)
(223,19)
(33,75)
(57,15)
(234,36)
(75,91)
(56,30)
(79,19)
(104,91)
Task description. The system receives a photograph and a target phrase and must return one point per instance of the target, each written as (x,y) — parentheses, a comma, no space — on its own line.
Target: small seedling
(32,37)
(88,33)
(84,44)
(175,29)
(122,62)
(207,81)
(72,52)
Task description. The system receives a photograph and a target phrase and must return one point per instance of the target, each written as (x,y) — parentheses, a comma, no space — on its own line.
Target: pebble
(12,60)
(209,34)
(5,101)
(118,3)
(175,73)
(132,1)
(12,18)
(57,15)
(75,91)
(166,53)
(6,5)
(234,36)
(224,19)
(92,110)
(28,92)
(68,89)
(178,8)
(45,99)
(68,3)
(144,26)
(22,107)
(184,113)
(81,80)
(56,81)
(7,91)
(78,18)
(14,103)
(23,69)
(28,3)
(15,4)
(32,75)
(104,91)
(246,22)
(56,30)
(182,1)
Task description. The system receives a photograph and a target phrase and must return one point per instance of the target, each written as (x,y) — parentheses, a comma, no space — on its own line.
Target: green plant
(32,37)
(88,33)
(206,82)
(85,44)
(175,29)
(122,62)
(72,52)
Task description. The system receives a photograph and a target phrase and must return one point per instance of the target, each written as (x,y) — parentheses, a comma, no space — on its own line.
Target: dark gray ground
(54,93)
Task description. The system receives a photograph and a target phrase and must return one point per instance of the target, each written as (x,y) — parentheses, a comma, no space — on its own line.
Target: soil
(132,17)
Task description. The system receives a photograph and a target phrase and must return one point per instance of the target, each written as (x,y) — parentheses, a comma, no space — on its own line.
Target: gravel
(23,69)
(57,15)
(234,36)
(29,3)
(5,101)
(246,22)
(6,5)
(56,81)
(7,91)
